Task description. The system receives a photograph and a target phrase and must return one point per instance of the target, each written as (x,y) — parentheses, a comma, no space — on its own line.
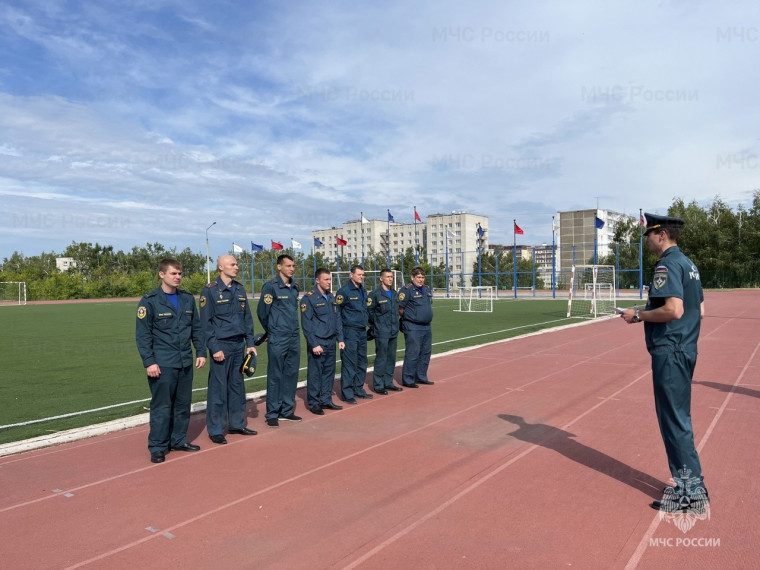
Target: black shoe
(186,447)
(157,457)
(364,396)
(411,386)
(218,439)
(290,418)
(316,410)
(384,392)
(331,406)
(425,382)
(244,431)
(351,401)
(394,388)
(272,422)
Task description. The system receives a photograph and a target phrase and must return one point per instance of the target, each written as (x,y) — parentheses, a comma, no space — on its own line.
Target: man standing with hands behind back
(672,319)
(228,325)
(167,320)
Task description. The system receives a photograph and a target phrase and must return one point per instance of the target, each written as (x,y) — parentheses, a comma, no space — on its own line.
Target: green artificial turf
(69,358)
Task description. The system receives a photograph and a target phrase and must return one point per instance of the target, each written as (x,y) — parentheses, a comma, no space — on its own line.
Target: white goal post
(371,279)
(476,299)
(592,291)
(12,292)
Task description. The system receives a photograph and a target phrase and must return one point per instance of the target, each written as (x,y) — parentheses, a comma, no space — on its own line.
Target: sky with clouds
(125,123)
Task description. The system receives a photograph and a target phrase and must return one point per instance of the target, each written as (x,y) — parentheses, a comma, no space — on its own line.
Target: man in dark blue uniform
(672,320)
(278,313)
(415,301)
(352,308)
(383,326)
(167,320)
(322,328)
(228,326)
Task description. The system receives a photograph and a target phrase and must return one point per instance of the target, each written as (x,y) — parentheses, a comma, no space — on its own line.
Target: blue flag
(480,231)
(390,217)
(256,247)
(598,223)
(317,242)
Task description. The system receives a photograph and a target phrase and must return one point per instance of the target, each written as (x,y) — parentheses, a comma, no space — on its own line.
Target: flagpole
(314,256)
(447,263)
(389,237)
(361,225)
(596,231)
(514,256)
(416,253)
(252,291)
(641,255)
(554,264)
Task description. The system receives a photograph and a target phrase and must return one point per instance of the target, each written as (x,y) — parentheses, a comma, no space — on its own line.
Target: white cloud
(276,119)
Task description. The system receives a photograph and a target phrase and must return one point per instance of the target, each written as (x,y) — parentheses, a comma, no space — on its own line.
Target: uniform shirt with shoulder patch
(675,276)
(319,318)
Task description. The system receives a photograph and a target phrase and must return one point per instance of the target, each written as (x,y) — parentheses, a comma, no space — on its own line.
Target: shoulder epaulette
(408,285)
(310,293)
(212,284)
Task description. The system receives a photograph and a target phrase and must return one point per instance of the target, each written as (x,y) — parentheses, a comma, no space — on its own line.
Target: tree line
(724,244)
(100,272)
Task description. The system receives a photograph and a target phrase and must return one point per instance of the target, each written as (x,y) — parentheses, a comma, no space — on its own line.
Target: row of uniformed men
(168,321)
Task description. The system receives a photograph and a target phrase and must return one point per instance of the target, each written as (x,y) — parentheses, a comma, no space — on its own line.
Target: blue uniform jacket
(417,305)
(352,306)
(319,319)
(163,333)
(225,314)
(278,308)
(383,313)
(675,276)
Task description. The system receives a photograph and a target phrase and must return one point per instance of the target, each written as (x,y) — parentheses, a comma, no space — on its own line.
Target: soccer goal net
(476,299)
(12,292)
(592,291)
(371,279)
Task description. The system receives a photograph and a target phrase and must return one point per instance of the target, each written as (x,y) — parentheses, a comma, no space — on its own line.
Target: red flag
(342,241)
(518,230)
(276,245)
(417,216)
(643,222)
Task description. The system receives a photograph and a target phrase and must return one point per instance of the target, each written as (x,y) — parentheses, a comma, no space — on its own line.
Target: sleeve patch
(659,280)
(141,312)
(268,299)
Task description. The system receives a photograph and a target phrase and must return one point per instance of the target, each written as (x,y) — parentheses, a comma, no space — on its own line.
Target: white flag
(450,234)
(294,244)
(236,248)
(364,220)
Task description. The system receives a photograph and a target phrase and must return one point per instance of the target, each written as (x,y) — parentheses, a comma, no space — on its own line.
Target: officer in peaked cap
(672,319)
(655,222)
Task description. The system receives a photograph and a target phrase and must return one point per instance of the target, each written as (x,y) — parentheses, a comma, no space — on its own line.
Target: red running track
(540,452)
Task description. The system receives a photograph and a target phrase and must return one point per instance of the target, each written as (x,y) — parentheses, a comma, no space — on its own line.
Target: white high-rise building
(459,229)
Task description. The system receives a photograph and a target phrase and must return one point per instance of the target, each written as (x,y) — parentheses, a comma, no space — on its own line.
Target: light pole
(208,260)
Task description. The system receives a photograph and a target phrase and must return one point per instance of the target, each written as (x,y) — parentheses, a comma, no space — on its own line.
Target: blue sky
(127,123)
